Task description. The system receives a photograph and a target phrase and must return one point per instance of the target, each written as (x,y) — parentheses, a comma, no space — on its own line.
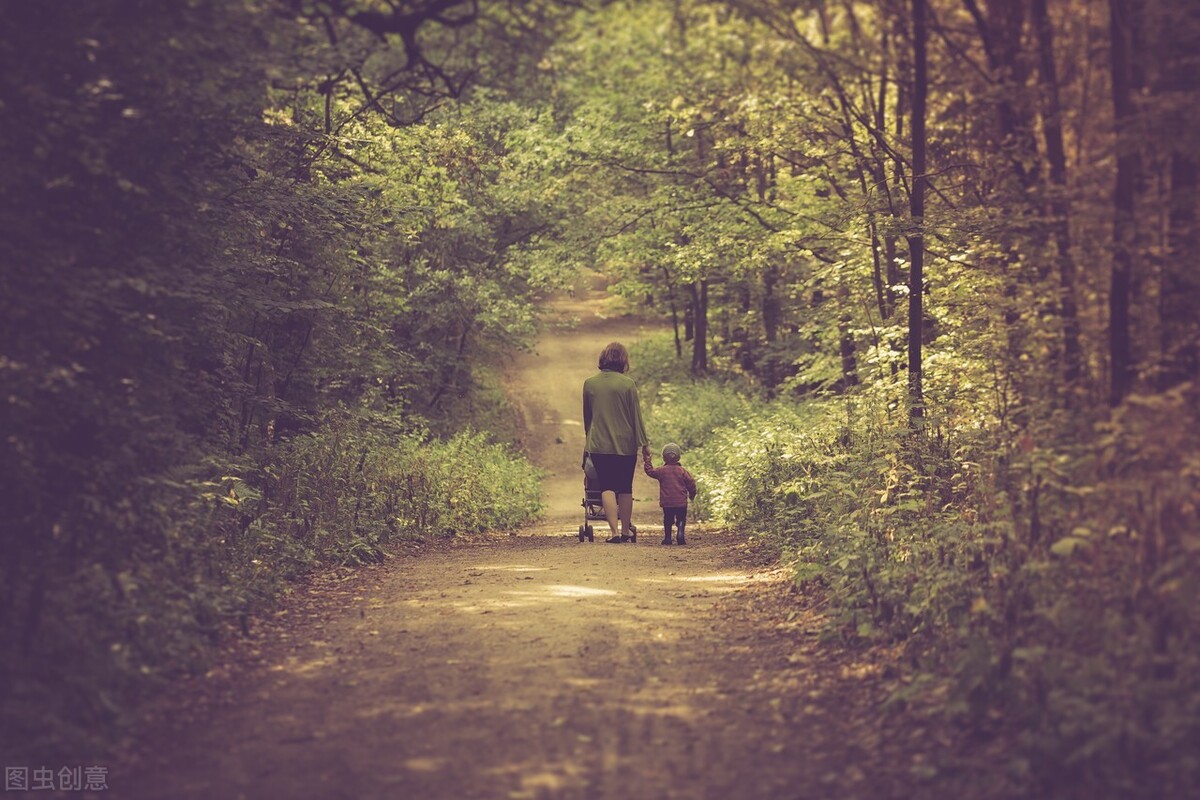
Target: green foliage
(681,409)
(227,542)
(225,278)
(653,364)
(253,250)
(1049,586)
(1033,553)
(366,485)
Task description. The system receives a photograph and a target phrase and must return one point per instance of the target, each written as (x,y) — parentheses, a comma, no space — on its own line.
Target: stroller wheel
(582,532)
(591,536)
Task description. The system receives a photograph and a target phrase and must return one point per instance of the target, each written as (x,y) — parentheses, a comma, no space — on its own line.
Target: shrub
(220,540)
(356,485)
(1044,582)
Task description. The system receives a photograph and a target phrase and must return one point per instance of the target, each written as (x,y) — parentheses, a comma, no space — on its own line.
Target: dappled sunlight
(720,582)
(680,711)
(632,611)
(306,668)
(461,707)
(560,590)
(424,764)
(510,568)
(730,577)
(520,600)
(538,777)
(392,710)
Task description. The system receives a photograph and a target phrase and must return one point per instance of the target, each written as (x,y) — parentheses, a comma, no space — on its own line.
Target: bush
(653,363)
(352,487)
(220,541)
(686,411)
(1052,586)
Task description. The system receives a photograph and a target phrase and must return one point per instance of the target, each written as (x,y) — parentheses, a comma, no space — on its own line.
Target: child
(675,487)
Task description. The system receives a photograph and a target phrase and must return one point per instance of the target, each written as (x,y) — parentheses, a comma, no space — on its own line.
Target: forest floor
(536,666)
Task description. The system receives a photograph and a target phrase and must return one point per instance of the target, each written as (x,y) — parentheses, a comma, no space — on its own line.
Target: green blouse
(612,415)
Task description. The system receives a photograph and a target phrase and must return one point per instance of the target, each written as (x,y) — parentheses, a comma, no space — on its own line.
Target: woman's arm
(587,411)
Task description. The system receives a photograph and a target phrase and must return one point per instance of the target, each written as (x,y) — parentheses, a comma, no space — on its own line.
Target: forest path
(536,666)
(546,387)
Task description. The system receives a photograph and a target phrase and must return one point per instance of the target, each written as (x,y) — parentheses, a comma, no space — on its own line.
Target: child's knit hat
(671,452)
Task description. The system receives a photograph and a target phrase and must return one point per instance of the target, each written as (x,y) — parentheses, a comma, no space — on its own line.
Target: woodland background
(930,267)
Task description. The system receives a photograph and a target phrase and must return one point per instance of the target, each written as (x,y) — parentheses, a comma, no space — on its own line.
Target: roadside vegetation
(246,325)
(1036,584)
(930,271)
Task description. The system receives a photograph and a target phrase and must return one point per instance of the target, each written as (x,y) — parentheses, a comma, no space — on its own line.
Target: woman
(612,423)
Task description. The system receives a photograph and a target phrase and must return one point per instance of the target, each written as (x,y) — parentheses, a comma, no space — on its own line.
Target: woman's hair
(614,357)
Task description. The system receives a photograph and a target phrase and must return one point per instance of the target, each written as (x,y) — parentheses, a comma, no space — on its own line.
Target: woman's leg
(616,472)
(625,511)
(608,501)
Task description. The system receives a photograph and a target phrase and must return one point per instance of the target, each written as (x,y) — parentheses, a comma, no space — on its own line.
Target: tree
(1179,344)
(1057,204)
(916,244)
(203,276)
(1123,16)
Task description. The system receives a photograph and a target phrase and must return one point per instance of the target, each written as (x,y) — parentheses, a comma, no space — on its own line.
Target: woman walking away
(612,423)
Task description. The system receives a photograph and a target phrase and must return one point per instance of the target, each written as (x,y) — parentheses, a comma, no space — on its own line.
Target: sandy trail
(536,666)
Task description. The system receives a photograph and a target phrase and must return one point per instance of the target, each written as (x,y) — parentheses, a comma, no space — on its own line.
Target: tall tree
(1123,16)
(916,237)
(1057,204)
(1179,344)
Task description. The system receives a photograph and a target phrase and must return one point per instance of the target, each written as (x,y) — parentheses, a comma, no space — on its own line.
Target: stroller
(593,508)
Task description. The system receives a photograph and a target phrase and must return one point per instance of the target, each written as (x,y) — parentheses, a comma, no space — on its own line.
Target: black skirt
(613,473)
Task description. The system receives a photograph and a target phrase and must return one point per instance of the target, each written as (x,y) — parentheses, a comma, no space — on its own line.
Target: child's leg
(668,518)
(681,517)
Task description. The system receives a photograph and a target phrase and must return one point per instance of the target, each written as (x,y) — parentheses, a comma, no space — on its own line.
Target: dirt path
(547,388)
(539,667)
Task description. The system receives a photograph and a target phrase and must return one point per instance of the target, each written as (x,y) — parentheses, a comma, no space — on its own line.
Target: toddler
(675,487)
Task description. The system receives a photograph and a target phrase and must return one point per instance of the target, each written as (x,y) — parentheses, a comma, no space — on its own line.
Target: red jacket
(675,484)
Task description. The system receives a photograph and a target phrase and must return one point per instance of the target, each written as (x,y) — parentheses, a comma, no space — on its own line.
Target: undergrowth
(218,542)
(1045,579)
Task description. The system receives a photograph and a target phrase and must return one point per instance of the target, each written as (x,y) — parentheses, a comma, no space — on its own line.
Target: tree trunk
(674,311)
(1180,324)
(771,314)
(1058,205)
(846,345)
(892,271)
(1124,220)
(916,241)
(1180,337)
(1001,34)
(1001,27)
(700,327)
